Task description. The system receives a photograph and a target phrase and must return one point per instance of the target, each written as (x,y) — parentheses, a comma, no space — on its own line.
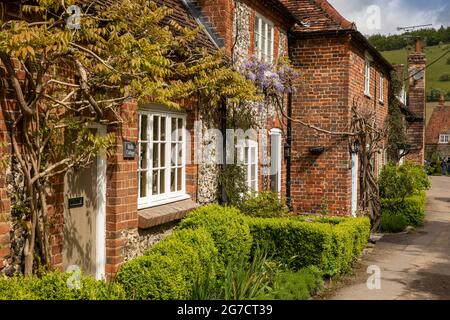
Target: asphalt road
(413,265)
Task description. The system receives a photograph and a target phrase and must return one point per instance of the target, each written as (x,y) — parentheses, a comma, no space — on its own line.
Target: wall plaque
(129,150)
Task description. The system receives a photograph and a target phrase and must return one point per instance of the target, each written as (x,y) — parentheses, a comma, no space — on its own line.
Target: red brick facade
(332,68)
(438,125)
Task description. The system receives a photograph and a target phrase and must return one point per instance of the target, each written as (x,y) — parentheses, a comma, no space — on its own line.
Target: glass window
(247,154)
(367,76)
(161,171)
(264,38)
(381,87)
(444,138)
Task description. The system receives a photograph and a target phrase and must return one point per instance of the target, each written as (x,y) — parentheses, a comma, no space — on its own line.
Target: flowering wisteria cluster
(271,79)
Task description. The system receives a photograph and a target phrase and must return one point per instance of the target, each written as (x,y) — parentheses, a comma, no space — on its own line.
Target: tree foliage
(129,50)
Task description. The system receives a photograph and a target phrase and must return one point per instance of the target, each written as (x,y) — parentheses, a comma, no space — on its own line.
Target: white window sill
(367,95)
(161,202)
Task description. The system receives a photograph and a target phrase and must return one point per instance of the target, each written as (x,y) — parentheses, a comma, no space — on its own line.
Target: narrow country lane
(413,265)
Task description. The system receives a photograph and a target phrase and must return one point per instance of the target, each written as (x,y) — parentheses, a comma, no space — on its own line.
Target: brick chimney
(417,100)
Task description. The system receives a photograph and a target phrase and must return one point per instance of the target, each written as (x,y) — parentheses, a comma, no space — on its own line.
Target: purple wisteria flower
(271,79)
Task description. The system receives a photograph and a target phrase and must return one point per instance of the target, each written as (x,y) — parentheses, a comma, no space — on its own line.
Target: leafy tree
(126,50)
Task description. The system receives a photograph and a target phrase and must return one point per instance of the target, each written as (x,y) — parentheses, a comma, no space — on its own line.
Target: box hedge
(227,227)
(331,245)
(411,210)
(55,286)
(168,270)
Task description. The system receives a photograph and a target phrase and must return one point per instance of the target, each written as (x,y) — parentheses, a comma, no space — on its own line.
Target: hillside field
(434,72)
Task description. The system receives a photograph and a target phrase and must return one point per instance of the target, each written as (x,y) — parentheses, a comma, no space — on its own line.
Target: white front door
(84,244)
(354,183)
(275,160)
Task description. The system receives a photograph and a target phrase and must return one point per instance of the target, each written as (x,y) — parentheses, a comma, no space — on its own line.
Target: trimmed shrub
(167,271)
(411,209)
(392,222)
(399,182)
(444,77)
(299,285)
(331,246)
(265,205)
(54,286)
(227,227)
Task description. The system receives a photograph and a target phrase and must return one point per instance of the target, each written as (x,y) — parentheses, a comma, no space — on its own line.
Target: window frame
(266,49)
(240,150)
(152,200)
(443,137)
(382,88)
(367,74)
(277,134)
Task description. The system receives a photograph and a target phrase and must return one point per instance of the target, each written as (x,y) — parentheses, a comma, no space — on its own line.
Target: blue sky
(393,13)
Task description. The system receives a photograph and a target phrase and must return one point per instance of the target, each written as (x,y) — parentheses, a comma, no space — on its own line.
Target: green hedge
(330,244)
(168,270)
(291,285)
(54,286)
(228,228)
(411,210)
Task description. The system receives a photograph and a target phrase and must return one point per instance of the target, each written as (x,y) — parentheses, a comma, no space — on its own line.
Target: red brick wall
(121,191)
(321,182)
(371,102)
(333,77)
(219,13)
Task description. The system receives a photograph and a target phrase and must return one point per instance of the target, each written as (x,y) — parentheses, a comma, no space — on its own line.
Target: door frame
(100,232)
(278,133)
(355,165)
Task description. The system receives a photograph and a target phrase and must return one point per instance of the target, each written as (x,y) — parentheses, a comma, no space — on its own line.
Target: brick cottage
(437,136)
(136,199)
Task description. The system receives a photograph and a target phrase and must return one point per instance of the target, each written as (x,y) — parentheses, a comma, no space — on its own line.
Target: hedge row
(330,244)
(56,286)
(396,215)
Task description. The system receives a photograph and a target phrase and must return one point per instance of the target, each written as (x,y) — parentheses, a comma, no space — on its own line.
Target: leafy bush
(291,285)
(448,60)
(393,222)
(411,211)
(444,77)
(331,246)
(167,271)
(264,205)
(227,227)
(54,286)
(399,182)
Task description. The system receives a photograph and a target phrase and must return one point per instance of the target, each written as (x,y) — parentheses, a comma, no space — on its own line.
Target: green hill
(434,72)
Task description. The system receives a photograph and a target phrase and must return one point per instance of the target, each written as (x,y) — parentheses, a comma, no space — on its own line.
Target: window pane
(143,184)
(246,150)
(173,154)
(253,155)
(156,128)
(162,181)
(155,182)
(143,127)
(180,129)
(143,156)
(156,155)
(179,179)
(163,128)
(253,172)
(172,180)
(162,162)
(180,154)
(174,128)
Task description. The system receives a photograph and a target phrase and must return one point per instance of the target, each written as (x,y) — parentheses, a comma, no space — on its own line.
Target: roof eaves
(200,19)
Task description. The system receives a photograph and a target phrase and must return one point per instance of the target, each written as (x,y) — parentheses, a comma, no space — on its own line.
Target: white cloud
(393,13)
